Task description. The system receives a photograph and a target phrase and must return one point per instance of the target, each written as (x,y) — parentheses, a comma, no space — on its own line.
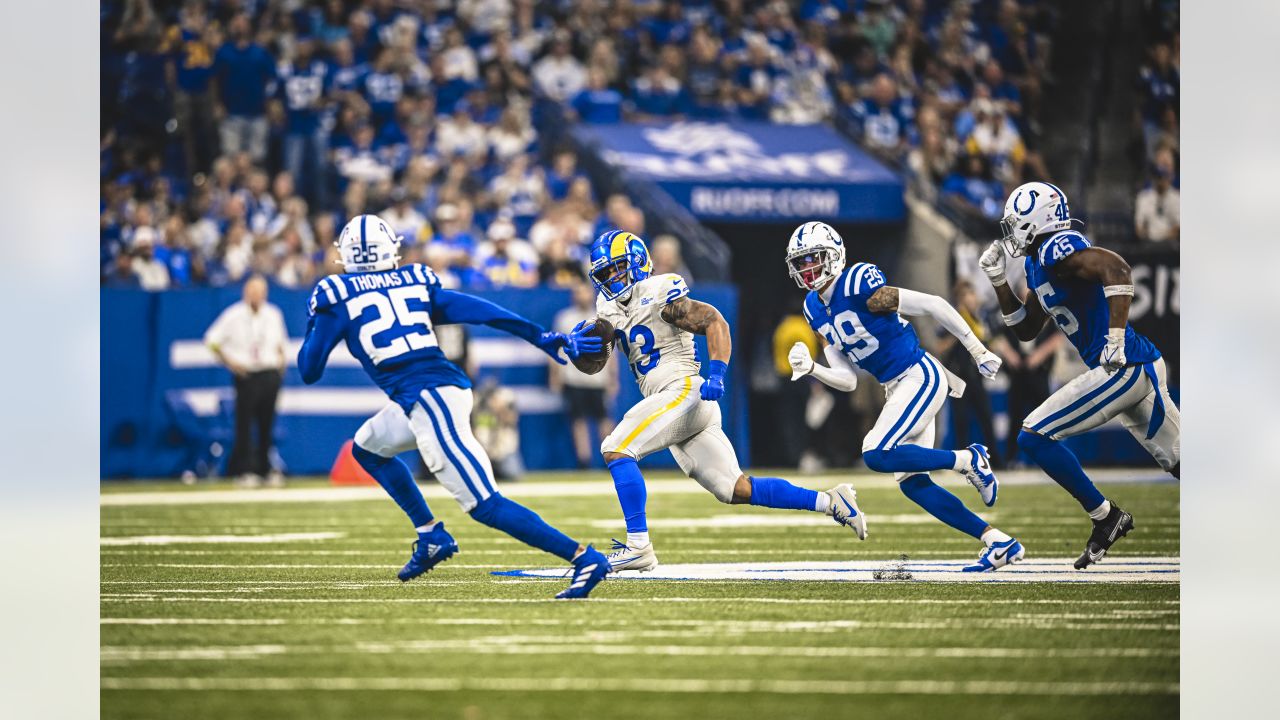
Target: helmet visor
(809,267)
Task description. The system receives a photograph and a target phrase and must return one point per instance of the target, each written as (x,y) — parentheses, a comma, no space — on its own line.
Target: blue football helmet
(619,260)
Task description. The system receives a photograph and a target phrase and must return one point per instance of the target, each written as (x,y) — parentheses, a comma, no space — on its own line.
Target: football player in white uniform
(860,318)
(654,322)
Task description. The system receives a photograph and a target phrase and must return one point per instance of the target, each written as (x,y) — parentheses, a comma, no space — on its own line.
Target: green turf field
(291,627)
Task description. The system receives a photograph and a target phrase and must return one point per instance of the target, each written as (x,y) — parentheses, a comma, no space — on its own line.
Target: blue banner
(166,405)
(747,171)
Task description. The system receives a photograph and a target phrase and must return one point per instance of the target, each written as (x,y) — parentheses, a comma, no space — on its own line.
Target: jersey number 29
(393,308)
(849,333)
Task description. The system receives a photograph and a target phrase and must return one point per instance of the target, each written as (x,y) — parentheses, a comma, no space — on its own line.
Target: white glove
(1112,357)
(801,361)
(988,363)
(992,263)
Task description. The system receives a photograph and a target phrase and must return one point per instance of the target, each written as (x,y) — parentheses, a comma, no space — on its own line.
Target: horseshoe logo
(1030,207)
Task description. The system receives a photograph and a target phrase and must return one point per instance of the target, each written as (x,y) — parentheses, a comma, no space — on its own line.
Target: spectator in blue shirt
(245,73)
(825,12)
(887,121)
(755,81)
(302,89)
(668,26)
(190,74)
(383,88)
(598,103)
(657,94)
(970,189)
(564,170)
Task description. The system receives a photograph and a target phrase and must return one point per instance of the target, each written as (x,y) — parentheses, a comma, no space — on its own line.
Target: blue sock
(941,504)
(1063,466)
(394,477)
(778,493)
(524,525)
(632,494)
(909,458)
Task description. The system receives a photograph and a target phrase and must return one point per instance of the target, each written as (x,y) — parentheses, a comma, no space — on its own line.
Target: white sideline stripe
(563,488)
(359,401)
(189,539)
(500,646)
(151,597)
(645,685)
(1113,570)
(748,520)
(487,352)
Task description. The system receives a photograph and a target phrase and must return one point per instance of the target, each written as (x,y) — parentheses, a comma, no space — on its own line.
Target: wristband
(717,368)
(973,344)
(1016,316)
(1110,290)
(998,280)
(1115,334)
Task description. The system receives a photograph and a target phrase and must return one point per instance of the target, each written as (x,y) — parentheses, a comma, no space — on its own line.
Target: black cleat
(1105,533)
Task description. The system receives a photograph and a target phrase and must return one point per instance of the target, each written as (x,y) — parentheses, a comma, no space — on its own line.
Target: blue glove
(713,386)
(574,344)
(580,343)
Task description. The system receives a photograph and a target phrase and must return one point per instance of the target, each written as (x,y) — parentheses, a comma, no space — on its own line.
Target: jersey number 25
(393,308)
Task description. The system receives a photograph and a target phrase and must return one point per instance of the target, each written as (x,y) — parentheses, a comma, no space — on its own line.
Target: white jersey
(659,353)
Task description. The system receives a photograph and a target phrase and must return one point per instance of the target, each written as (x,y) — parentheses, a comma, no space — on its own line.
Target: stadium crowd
(237,136)
(1157,205)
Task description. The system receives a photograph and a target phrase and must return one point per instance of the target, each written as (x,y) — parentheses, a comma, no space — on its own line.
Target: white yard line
(560,488)
(203,539)
(502,646)
(644,685)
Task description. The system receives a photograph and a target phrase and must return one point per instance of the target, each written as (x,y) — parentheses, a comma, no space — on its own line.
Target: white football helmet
(1033,208)
(367,244)
(815,255)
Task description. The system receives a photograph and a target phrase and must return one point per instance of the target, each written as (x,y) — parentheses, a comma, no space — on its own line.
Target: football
(592,363)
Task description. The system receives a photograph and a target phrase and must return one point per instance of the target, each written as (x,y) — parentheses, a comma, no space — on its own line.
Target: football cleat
(626,557)
(588,570)
(997,555)
(980,474)
(429,550)
(1105,533)
(844,508)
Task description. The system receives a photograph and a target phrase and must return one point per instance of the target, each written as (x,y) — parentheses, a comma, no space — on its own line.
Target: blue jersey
(388,321)
(883,344)
(1079,306)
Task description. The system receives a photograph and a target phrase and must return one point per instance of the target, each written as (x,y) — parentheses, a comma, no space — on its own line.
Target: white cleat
(844,508)
(626,557)
(980,474)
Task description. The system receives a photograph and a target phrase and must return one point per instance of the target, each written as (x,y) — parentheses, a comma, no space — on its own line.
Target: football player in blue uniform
(859,316)
(1087,291)
(386,315)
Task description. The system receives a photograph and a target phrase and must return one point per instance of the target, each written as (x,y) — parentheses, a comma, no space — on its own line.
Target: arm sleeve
(324,330)
(838,373)
(914,304)
(448,306)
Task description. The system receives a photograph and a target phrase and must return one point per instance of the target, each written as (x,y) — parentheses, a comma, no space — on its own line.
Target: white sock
(428,527)
(1101,511)
(823,504)
(637,540)
(963,458)
(994,536)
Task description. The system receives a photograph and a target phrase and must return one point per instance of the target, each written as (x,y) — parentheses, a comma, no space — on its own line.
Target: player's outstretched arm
(700,318)
(324,330)
(916,304)
(449,306)
(1108,269)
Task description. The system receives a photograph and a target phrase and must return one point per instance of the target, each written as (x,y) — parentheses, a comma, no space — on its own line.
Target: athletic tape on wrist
(1110,290)
(1016,316)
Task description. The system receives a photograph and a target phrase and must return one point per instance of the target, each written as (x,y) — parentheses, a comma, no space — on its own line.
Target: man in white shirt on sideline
(1157,215)
(584,395)
(249,338)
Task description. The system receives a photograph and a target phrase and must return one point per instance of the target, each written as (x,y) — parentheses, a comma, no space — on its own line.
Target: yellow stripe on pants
(688,385)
